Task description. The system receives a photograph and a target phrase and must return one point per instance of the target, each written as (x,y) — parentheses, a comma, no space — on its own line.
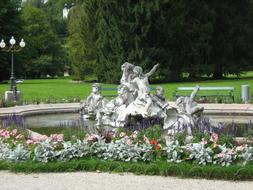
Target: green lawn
(63,88)
(159,167)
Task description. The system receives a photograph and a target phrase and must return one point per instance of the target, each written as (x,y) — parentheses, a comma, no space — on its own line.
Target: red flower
(158,147)
(153,142)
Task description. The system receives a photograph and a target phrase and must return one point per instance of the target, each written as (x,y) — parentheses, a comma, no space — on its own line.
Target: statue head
(96,88)
(122,89)
(159,91)
(137,71)
(126,66)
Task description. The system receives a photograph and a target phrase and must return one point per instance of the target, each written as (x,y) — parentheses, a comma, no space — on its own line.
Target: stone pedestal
(9,96)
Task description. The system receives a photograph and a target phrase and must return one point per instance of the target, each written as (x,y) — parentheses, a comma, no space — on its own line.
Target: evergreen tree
(10,25)
(231,47)
(190,37)
(43,48)
(79,44)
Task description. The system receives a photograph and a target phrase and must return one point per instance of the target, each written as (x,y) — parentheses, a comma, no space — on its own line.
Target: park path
(105,181)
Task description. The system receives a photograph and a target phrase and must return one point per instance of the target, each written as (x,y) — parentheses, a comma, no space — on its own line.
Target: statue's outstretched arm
(194,92)
(152,71)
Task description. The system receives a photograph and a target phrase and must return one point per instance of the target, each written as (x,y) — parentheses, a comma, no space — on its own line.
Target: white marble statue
(127,69)
(188,114)
(93,103)
(108,114)
(143,102)
(134,99)
(127,77)
(142,83)
(159,98)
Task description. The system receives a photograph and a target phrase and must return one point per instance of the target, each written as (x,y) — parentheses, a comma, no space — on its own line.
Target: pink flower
(43,137)
(145,139)
(214,137)
(40,138)
(14,132)
(133,136)
(91,138)
(6,134)
(57,137)
(129,141)
(221,155)
(29,141)
(231,152)
(203,141)
(19,136)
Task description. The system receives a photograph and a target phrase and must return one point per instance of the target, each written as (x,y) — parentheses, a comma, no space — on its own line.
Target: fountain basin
(210,109)
(60,114)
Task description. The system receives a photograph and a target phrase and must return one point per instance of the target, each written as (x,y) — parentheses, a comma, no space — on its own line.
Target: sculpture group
(134,98)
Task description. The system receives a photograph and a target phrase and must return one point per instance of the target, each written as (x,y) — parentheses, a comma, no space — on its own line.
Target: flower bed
(135,147)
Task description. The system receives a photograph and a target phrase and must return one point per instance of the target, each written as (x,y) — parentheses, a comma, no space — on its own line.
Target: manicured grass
(162,168)
(51,88)
(62,88)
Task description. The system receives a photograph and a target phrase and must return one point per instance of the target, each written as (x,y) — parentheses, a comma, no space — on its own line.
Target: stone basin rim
(40,109)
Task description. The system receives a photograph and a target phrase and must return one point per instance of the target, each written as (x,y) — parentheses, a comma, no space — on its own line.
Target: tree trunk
(218,71)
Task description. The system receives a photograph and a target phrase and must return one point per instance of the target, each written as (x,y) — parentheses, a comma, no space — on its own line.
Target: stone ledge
(40,109)
(210,109)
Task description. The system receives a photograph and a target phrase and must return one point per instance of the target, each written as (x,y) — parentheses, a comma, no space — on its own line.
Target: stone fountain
(135,100)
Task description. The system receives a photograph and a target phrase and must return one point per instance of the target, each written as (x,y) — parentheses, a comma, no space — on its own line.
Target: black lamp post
(12,48)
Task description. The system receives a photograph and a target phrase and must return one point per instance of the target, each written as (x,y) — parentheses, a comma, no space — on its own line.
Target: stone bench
(212,91)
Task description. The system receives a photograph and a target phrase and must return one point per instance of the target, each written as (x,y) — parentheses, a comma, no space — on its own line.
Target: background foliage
(189,38)
(9,25)
(192,38)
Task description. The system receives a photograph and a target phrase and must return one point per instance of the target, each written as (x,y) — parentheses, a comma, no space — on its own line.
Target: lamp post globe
(2,44)
(12,41)
(22,43)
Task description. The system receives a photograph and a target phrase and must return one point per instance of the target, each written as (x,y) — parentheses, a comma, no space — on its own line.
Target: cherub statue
(159,98)
(188,114)
(127,69)
(93,102)
(127,77)
(141,105)
(187,105)
(142,83)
